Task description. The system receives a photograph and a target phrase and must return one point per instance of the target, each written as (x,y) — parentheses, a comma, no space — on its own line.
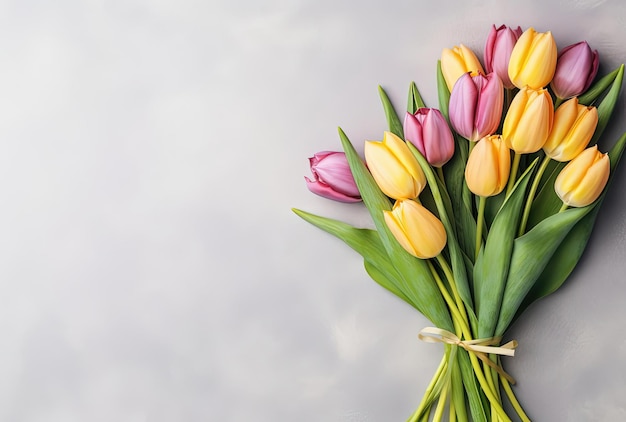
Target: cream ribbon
(479,347)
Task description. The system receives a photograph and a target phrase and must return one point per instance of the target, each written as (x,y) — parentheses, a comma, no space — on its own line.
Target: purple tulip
(500,43)
(428,130)
(476,105)
(576,67)
(332,177)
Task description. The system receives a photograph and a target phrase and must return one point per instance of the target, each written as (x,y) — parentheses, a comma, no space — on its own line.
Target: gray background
(151,267)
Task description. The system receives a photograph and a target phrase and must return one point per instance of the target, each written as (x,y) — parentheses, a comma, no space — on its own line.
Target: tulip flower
(533,59)
(583,179)
(488,166)
(476,105)
(576,67)
(418,231)
(332,177)
(528,121)
(498,48)
(457,61)
(394,167)
(574,125)
(428,130)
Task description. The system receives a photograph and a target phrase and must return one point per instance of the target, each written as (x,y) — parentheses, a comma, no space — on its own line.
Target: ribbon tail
(497,368)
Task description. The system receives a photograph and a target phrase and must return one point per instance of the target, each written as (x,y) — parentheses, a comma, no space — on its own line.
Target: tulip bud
(583,179)
(528,121)
(533,59)
(574,125)
(457,61)
(394,167)
(418,231)
(476,105)
(488,166)
(576,67)
(332,177)
(428,130)
(498,48)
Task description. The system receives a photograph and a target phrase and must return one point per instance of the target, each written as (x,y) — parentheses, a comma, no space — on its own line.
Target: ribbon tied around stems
(481,348)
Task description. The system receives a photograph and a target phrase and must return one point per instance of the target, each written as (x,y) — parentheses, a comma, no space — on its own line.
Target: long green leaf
(598,88)
(492,270)
(442,92)
(571,249)
(606,107)
(536,247)
(367,243)
(417,281)
(454,172)
(393,121)
(382,278)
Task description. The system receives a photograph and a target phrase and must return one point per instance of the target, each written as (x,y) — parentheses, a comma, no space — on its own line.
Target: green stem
(455,292)
(513,174)
(443,398)
(451,304)
(558,102)
(518,408)
(479,224)
(531,194)
(493,400)
(440,173)
(426,401)
(564,207)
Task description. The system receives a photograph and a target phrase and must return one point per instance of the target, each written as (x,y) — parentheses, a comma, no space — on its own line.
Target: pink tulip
(428,130)
(576,67)
(476,105)
(498,47)
(332,177)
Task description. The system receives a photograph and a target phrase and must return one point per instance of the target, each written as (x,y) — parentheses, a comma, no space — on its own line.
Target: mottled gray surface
(151,267)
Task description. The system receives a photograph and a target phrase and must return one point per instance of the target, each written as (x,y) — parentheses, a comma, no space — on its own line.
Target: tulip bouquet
(481,206)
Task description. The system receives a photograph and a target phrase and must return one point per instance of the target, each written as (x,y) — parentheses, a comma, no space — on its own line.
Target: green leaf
(536,246)
(571,249)
(367,243)
(491,272)
(415,99)
(393,121)
(383,279)
(562,262)
(606,107)
(460,196)
(417,282)
(442,92)
(445,211)
(593,93)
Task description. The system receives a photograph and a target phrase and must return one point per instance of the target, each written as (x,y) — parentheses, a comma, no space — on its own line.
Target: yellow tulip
(488,166)
(533,59)
(418,231)
(457,61)
(574,125)
(528,121)
(583,179)
(394,168)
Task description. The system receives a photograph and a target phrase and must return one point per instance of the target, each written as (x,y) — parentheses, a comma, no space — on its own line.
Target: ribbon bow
(479,347)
